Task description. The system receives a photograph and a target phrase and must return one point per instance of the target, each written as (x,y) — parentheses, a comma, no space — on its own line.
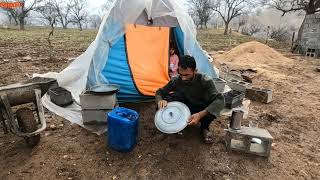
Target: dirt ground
(71,152)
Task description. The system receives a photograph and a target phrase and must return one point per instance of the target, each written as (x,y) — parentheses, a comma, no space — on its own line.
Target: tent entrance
(147,51)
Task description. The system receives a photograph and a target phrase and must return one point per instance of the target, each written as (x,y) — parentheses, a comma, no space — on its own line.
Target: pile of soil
(255,55)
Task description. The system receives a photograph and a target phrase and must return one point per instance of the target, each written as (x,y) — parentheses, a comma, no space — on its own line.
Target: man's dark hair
(187,62)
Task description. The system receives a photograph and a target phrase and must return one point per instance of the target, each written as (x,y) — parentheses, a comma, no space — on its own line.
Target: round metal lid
(172,118)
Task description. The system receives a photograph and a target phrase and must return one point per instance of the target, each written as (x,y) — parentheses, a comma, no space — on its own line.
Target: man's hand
(194,119)
(162,104)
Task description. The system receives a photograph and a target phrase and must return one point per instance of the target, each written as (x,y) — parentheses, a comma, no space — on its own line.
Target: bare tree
(48,12)
(230,9)
(78,12)
(252,28)
(243,20)
(20,13)
(201,11)
(287,6)
(95,21)
(63,10)
(281,33)
(12,15)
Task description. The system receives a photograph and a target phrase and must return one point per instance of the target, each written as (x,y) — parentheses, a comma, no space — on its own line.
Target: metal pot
(236,118)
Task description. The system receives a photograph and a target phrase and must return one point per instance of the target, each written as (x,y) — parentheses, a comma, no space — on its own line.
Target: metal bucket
(236,118)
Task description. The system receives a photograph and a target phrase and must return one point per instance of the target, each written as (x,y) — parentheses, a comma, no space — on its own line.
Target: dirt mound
(256,55)
(253,53)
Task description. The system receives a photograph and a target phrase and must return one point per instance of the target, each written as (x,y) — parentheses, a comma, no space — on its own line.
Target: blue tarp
(117,71)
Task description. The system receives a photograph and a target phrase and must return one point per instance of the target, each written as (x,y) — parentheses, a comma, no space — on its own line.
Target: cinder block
(255,141)
(220,84)
(94,116)
(258,94)
(97,101)
(238,85)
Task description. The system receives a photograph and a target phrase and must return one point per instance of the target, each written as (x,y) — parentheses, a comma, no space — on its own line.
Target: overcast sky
(94,5)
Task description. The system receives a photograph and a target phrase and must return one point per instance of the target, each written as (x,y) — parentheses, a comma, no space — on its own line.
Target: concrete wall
(311,32)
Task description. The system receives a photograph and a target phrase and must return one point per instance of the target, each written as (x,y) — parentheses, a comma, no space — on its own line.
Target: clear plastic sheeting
(86,70)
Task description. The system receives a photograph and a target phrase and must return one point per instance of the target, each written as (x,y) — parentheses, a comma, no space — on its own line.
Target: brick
(241,141)
(258,94)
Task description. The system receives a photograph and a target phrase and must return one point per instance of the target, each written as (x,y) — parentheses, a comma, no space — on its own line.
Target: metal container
(60,96)
(22,93)
(236,118)
(97,101)
(233,98)
(94,117)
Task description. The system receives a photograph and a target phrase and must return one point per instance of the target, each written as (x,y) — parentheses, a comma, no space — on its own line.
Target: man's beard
(188,82)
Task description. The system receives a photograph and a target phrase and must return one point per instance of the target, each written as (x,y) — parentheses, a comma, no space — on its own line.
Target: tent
(131,49)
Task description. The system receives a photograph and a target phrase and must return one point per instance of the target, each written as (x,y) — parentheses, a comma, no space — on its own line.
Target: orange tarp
(148,56)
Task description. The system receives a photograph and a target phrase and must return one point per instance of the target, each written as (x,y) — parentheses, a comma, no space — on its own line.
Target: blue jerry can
(122,129)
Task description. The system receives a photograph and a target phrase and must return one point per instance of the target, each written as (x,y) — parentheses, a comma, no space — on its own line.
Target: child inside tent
(173,63)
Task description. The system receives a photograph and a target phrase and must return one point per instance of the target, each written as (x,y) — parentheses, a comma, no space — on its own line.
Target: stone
(25,59)
(53,127)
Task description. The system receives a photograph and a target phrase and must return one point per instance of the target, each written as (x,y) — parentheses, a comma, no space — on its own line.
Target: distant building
(310,38)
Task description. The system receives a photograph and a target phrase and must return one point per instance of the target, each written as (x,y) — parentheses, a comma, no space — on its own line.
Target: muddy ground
(71,152)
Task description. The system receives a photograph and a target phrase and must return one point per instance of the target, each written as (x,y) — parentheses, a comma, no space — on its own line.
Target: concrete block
(91,117)
(258,94)
(238,85)
(220,84)
(233,98)
(250,140)
(97,101)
